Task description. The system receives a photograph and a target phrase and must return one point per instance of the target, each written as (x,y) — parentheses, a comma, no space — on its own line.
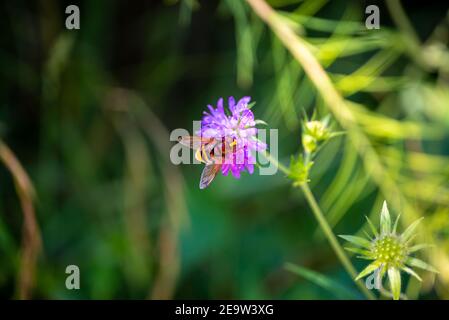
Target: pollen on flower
(389,251)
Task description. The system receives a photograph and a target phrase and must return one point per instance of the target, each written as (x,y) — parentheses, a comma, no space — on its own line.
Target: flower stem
(339,107)
(333,240)
(324,225)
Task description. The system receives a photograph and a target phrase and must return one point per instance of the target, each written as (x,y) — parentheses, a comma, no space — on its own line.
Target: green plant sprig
(298,171)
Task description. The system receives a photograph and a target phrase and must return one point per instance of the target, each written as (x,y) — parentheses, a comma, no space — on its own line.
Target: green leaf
(395,282)
(369,269)
(410,239)
(414,262)
(357,241)
(395,226)
(372,227)
(409,231)
(411,272)
(322,281)
(385,220)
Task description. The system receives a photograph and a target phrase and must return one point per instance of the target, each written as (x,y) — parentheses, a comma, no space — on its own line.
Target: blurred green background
(88,113)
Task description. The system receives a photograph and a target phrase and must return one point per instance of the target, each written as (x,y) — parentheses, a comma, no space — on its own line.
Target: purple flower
(238,128)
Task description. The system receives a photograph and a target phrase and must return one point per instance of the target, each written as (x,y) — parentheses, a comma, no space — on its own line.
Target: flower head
(390,251)
(314,132)
(299,170)
(237,124)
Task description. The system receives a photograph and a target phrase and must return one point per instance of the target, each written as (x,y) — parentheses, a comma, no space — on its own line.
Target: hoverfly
(211,152)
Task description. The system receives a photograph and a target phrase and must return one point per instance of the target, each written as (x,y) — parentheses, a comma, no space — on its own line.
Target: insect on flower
(226,140)
(211,152)
(390,251)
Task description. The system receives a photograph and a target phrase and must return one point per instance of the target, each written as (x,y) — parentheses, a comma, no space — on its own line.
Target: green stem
(333,240)
(324,225)
(339,107)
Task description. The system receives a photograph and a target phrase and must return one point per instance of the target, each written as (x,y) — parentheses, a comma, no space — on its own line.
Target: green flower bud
(317,130)
(299,170)
(309,143)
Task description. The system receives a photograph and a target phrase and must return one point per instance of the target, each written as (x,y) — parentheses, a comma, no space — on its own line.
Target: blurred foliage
(88,115)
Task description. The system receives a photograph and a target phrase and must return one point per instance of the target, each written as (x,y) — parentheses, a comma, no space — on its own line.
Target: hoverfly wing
(204,147)
(194,142)
(208,174)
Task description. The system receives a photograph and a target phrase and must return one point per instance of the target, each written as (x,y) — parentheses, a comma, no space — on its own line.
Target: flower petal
(242,104)
(365,253)
(395,226)
(385,220)
(220,105)
(361,242)
(369,269)
(408,233)
(411,272)
(419,247)
(231,104)
(414,262)
(373,229)
(394,276)
(235,169)
(225,169)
